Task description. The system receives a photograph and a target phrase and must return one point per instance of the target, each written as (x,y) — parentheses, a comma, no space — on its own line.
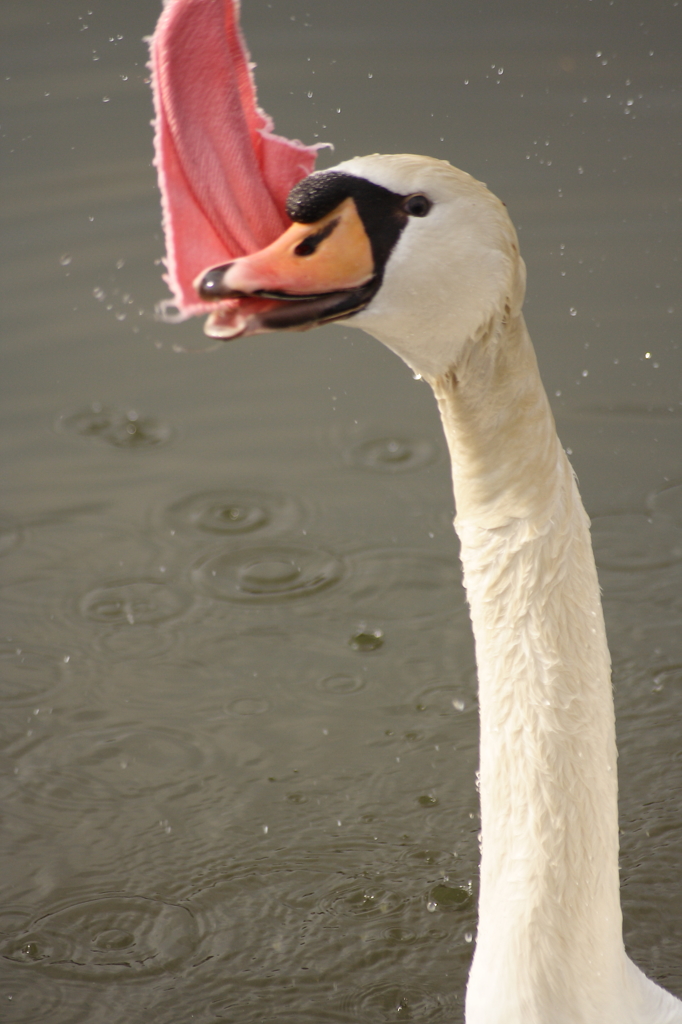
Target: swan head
(409,248)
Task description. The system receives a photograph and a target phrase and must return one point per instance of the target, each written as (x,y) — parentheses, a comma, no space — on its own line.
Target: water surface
(239,723)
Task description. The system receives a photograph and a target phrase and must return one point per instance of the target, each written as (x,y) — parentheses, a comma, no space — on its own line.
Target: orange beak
(311,274)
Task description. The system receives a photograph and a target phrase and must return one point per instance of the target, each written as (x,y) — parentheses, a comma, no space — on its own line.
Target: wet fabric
(224,176)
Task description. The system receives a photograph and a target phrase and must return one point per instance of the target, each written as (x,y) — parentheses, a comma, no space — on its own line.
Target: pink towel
(224,176)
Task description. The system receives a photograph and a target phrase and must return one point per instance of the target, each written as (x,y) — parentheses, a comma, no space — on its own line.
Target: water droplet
(468,937)
(451,897)
(667,677)
(427,800)
(26,952)
(366,640)
(573,311)
(65,259)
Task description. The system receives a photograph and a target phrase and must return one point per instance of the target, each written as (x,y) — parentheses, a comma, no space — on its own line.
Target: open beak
(312,274)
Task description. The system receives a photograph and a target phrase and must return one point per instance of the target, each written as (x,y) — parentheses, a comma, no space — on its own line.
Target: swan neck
(499,428)
(549,943)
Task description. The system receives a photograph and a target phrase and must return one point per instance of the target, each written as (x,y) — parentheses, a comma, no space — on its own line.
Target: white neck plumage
(549,947)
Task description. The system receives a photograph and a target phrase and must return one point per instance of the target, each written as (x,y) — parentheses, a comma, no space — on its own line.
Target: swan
(424,258)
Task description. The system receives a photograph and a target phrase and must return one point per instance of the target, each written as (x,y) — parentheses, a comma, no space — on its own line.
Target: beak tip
(210,284)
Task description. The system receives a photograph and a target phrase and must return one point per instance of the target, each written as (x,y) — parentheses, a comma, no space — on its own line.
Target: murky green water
(238,696)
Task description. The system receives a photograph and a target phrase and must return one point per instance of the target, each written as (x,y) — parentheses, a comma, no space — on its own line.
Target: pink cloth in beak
(224,176)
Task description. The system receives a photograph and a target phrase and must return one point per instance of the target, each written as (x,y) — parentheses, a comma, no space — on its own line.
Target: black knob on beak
(212,284)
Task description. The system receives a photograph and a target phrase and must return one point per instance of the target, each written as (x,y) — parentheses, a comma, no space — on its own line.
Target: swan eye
(417,205)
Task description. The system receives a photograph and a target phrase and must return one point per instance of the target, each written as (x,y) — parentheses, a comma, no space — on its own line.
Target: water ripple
(10,536)
(114,937)
(402,583)
(391,454)
(267,574)
(179,685)
(139,643)
(360,897)
(28,672)
(250,706)
(117,427)
(232,512)
(88,768)
(446,701)
(283,922)
(398,1001)
(133,602)
(668,501)
(28,1004)
(340,684)
(284,913)
(634,541)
